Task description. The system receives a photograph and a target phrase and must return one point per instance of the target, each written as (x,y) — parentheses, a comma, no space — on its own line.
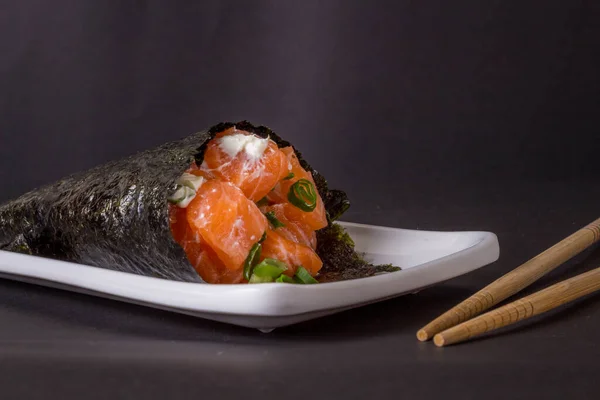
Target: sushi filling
(249,213)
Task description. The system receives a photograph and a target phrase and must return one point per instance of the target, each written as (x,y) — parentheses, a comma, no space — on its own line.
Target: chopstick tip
(422,335)
(439,340)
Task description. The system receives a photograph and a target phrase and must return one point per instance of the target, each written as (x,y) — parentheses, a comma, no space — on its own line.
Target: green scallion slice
(285,279)
(252,260)
(271,262)
(267,270)
(179,195)
(289,176)
(304,276)
(260,279)
(192,181)
(276,223)
(303,195)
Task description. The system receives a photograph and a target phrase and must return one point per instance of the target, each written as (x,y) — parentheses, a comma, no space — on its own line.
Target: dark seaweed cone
(115,216)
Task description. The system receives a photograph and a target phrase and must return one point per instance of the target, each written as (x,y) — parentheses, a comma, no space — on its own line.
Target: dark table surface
(57,344)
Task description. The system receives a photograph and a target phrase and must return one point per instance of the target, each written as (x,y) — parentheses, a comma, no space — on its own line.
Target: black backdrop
(398,102)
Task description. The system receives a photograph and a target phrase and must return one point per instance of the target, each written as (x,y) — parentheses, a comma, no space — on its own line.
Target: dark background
(430,114)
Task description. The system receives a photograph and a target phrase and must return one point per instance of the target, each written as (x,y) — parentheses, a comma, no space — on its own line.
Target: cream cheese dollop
(253,146)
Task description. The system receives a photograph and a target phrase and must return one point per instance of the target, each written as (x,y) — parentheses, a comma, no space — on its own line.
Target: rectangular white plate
(426,258)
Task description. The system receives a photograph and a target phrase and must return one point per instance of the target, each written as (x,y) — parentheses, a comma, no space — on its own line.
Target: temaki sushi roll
(233,204)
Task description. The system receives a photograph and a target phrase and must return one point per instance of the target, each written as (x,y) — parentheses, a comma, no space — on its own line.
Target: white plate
(427,258)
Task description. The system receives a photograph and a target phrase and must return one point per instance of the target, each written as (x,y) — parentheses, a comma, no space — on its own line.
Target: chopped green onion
(252,260)
(188,184)
(183,196)
(185,189)
(273,263)
(192,181)
(267,271)
(262,202)
(285,279)
(273,220)
(260,279)
(302,194)
(289,176)
(179,195)
(263,237)
(304,276)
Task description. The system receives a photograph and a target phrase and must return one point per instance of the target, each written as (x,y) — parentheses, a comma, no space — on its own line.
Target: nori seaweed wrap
(116,215)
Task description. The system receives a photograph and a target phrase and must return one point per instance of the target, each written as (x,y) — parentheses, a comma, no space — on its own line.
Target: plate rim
(267,299)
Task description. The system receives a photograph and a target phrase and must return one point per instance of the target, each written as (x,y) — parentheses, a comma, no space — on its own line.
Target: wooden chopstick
(534,304)
(514,281)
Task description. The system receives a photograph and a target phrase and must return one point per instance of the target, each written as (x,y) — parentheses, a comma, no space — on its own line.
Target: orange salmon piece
(290,253)
(315,219)
(212,270)
(293,230)
(200,255)
(252,163)
(227,221)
